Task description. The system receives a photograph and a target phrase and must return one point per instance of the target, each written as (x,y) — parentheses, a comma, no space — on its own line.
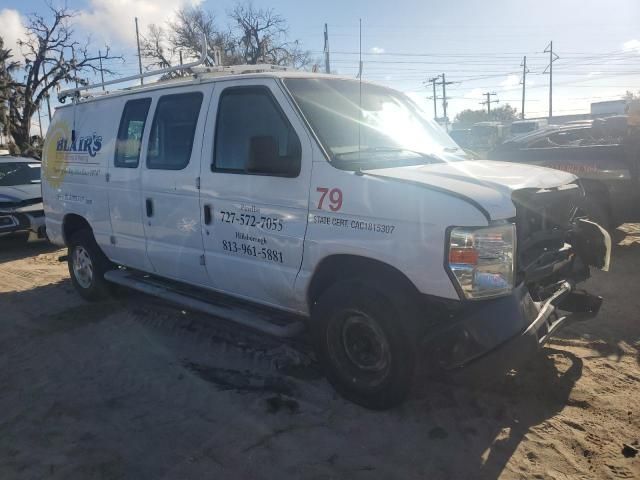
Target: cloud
(113,20)
(475,94)
(632,46)
(376,50)
(511,81)
(12,29)
(594,74)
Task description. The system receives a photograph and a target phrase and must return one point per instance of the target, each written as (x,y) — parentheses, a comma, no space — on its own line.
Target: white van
(283,200)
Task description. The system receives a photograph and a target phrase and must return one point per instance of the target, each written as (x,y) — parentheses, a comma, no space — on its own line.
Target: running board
(188,297)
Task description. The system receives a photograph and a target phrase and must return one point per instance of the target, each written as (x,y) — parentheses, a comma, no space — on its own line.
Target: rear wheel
(362,337)
(87,266)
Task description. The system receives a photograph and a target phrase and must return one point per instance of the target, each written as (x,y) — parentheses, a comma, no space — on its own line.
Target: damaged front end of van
(518,281)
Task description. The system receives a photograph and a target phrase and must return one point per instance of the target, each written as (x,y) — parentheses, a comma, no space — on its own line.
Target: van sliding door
(170,195)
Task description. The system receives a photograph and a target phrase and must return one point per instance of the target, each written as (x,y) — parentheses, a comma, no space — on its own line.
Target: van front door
(128,237)
(170,196)
(255,190)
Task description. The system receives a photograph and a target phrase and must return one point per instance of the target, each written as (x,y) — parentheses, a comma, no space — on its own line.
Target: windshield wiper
(381,150)
(368,162)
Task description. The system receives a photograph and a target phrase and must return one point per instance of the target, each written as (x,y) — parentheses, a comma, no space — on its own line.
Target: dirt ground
(134,388)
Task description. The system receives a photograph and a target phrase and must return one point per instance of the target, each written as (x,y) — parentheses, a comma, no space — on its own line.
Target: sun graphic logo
(53,160)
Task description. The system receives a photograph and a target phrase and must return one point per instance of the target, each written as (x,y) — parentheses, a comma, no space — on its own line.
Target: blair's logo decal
(90,144)
(61,150)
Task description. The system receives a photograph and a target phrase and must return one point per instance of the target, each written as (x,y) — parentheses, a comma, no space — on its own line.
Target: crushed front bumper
(31,221)
(497,335)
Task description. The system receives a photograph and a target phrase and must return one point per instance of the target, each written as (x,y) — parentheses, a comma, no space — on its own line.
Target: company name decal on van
(60,150)
(91,145)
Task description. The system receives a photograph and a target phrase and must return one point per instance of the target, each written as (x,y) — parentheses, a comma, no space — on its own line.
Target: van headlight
(481,260)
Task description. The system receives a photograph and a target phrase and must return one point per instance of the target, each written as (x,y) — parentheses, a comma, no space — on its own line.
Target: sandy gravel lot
(137,389)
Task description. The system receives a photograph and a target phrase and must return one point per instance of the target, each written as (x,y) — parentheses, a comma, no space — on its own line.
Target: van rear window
(174,126)
(134,117)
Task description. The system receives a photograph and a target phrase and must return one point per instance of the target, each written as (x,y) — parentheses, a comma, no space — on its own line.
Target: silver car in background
(21,208)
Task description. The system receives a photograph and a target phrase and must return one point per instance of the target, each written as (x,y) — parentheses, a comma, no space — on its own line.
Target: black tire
(362,336)
(82,247)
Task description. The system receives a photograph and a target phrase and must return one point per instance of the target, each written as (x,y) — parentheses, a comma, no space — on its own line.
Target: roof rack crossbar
(76,91)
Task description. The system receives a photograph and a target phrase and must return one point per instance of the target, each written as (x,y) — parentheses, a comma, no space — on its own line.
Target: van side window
(253,135)
(172,132)
(134,117)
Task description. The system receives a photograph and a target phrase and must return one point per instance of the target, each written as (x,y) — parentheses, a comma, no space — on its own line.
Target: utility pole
(44,74)
(75,72)
(435,97)
(444,84)
(360,62)
(552,58)
(327,63)
(40,121)
(139,56)
(444,102)
(101,72)
(524,82)
(488,101)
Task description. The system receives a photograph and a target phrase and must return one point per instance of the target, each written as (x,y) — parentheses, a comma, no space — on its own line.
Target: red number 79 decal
(335,198)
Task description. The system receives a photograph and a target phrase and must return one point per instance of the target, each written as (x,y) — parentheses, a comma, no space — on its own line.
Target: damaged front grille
(544,219)
(20,203)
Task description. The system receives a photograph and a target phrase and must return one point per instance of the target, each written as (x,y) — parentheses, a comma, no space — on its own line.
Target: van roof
(205,75)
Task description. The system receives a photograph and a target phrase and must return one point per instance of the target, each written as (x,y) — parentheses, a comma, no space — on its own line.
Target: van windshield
(369,126)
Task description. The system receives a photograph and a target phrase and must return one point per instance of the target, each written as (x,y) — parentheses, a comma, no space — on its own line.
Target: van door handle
(207,214)
(149,205)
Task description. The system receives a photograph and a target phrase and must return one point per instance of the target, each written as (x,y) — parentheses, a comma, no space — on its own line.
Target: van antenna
(360,94)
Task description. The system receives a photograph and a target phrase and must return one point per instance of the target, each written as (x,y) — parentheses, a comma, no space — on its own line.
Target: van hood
(486,184)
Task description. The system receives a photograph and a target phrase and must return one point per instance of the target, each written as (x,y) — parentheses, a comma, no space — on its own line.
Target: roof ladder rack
(75,92)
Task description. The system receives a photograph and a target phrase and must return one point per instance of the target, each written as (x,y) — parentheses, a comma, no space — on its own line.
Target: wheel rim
(359,349)
(82,267)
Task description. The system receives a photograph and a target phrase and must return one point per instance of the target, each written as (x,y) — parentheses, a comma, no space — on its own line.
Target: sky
(479,45)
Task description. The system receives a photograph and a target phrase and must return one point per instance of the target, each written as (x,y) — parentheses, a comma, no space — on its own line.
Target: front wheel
(87,266)
(362,338)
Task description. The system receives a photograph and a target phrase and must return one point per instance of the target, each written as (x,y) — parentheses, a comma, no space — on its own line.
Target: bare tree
(184,36)
(51,57)
(155,45)
(262,37)
(256,36)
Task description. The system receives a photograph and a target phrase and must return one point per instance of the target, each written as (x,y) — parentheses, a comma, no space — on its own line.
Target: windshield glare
(19,173)
(386,121)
